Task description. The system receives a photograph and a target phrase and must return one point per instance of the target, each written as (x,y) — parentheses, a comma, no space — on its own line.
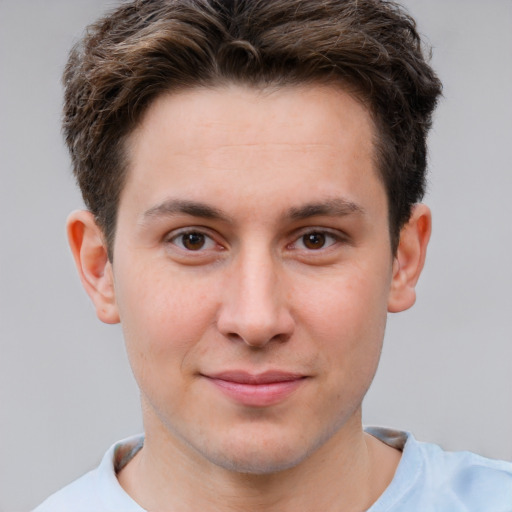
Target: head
(251,170)
(146,48)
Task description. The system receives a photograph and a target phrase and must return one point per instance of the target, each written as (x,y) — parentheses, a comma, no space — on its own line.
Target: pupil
(193,241)
(314,240)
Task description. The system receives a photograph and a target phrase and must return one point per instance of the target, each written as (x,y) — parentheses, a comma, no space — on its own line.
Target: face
(252,270)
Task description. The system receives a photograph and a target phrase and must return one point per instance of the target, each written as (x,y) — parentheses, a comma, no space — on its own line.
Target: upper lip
(244,377)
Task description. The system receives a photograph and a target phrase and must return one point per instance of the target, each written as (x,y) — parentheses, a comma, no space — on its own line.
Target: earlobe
(94,268)
(409,259)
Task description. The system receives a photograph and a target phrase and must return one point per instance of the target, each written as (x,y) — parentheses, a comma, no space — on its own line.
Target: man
(252,172)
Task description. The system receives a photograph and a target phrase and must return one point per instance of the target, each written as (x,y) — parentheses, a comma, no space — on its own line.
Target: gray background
(66,391)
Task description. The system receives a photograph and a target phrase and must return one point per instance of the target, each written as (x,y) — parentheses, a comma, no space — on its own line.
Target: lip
(256,390)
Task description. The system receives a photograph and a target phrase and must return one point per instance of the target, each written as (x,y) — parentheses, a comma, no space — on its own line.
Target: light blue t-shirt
(427,479)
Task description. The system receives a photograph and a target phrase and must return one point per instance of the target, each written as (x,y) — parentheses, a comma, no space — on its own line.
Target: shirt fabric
(428,479)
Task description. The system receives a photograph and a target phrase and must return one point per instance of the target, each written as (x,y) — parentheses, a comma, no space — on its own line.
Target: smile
(261,390)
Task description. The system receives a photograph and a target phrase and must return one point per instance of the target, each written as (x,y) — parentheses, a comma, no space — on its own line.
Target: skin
(253,236)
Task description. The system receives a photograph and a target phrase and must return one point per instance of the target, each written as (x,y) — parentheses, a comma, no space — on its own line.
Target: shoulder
(81,495)
(472,482)
(99,489)
(429,478)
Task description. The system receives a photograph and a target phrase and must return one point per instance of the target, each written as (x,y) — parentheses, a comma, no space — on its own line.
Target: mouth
(256,390)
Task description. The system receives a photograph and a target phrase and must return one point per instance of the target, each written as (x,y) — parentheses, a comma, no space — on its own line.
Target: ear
(409,259)
(90,253)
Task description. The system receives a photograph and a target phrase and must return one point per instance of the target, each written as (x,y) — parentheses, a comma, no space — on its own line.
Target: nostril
(281,337)
(258,338)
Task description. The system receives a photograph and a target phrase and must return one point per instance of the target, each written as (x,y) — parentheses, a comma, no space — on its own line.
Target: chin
(259,454)
(256,462)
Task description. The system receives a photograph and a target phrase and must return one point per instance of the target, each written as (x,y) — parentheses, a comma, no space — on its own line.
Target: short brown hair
(148,47)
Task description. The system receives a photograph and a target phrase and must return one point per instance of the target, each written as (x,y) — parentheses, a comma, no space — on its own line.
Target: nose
(255,306)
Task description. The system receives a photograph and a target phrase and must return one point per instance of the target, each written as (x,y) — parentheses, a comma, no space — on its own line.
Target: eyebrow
(332,207)
(172,207)
(337,207)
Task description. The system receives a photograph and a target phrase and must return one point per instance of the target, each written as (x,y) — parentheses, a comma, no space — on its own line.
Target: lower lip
(257,395)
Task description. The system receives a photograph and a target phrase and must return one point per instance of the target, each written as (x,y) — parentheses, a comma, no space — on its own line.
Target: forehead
(202,141)
(311,114)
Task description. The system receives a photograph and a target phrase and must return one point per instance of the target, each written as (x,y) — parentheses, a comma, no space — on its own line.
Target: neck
(348,472)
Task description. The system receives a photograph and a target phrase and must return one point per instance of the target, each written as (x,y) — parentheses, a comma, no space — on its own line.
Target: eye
(193,241)
(315,240)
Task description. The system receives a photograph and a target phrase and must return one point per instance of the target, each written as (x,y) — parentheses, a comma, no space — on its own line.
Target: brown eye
(314,240)
(193,241)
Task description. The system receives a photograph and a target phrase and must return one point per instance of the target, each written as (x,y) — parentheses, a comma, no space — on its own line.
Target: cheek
(163,316)
(348,316)
(353,302)
(164,320)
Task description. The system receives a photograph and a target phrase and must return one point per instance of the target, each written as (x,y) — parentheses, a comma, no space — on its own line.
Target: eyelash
(207,240)
(323,233)
(327,239)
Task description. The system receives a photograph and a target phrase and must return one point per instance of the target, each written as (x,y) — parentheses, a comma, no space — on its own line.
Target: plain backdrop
(66,391)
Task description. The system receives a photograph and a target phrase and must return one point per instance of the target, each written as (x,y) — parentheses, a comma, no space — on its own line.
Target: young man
(252,172)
